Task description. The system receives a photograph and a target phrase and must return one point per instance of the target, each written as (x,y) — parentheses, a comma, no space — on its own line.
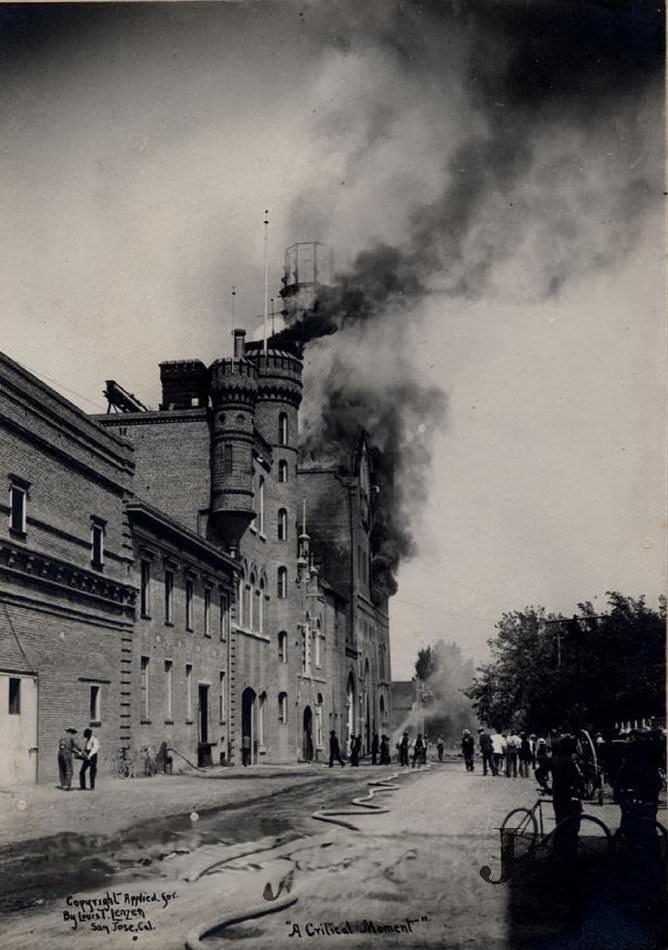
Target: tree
(548,671)
(426,663)
(446,675)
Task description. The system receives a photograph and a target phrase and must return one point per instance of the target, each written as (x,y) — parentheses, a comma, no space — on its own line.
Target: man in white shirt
(90,750)
(498,750)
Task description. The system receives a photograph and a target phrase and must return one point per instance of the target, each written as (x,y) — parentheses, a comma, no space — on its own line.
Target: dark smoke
(556,92)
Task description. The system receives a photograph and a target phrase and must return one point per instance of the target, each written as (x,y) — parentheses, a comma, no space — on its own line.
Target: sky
(509,153)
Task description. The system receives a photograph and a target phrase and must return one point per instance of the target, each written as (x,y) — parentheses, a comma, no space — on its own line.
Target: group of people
(504,753)
(87,752)
(380,750)
(416,751)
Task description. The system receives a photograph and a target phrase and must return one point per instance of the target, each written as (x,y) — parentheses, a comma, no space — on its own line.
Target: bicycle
(527,828)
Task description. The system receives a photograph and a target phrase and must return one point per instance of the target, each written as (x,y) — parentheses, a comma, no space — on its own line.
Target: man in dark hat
(403,750)
(375,747)
(67,748)
(334,750)
(90,752)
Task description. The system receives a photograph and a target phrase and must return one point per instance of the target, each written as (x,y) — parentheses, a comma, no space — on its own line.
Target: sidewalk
(36,811)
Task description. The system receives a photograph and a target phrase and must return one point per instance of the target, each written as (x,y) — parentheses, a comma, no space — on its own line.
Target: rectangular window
(222,697)
(18,498)
(224,616)
(207,612)
(145,599)
(94,704)
(145,705)
(189,604)
(189,692)
(169,597)
(168,691)
(14,696)
(228,460)
(97,544)
(316,642)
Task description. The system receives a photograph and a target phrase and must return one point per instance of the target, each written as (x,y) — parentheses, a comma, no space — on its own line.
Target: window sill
(146,722)
(223,722)
(169,722)
(145,616)
(169,623)
(18,534)
(97,566)
(262,536)
(95,723)
(189,722)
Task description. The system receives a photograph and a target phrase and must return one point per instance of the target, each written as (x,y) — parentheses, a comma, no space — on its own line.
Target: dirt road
(408,877)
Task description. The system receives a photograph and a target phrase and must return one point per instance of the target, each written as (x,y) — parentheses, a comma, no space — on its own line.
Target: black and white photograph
(333,475)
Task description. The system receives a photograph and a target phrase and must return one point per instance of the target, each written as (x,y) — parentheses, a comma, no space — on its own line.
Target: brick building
(67,599)
(159,581)
(308,649)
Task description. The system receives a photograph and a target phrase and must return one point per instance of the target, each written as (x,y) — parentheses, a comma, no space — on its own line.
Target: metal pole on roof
(266,276)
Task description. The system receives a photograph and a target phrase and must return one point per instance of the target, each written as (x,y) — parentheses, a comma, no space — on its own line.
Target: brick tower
(234,390)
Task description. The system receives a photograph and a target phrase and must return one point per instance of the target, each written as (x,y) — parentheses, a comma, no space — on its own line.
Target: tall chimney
(239,344)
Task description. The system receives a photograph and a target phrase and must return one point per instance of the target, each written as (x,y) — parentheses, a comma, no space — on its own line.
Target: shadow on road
(596,901)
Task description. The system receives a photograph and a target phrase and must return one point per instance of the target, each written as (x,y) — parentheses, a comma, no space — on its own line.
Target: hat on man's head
(71,729)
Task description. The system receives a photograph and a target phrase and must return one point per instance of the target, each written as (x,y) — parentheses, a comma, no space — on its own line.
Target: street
(408,877)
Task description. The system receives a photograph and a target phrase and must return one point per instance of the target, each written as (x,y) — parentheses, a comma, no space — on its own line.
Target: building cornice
(152,418)
(58,576)
(139,512)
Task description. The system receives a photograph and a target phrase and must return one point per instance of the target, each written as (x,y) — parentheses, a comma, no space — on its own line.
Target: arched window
(283,647)
(316,645)
(240,599)
(306,651)
(318,722)
(283,471)
(283,429)
(282,524)
(283,708)
(248,604)
(262,705)
(260,608)
(260,506)
(282,587)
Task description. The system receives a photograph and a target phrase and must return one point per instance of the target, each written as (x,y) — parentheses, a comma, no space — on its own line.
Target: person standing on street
(468,749)
(334,750)
(525,755)
(374,748)
(418,751)
(485,744)
(498,748)
(542,769)
(67,748)
(440,745)
(403,750)
(567,793)
(384,750)
(513,743)
(90,751)
(355,749)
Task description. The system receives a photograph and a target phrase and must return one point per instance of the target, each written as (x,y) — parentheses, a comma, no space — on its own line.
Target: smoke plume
(515,147)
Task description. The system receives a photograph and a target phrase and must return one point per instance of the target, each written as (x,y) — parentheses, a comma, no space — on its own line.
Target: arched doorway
(307,748)
(248,743)
(350,709)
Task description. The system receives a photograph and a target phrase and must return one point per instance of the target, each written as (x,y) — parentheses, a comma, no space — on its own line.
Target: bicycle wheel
(579,838)
(522,824)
